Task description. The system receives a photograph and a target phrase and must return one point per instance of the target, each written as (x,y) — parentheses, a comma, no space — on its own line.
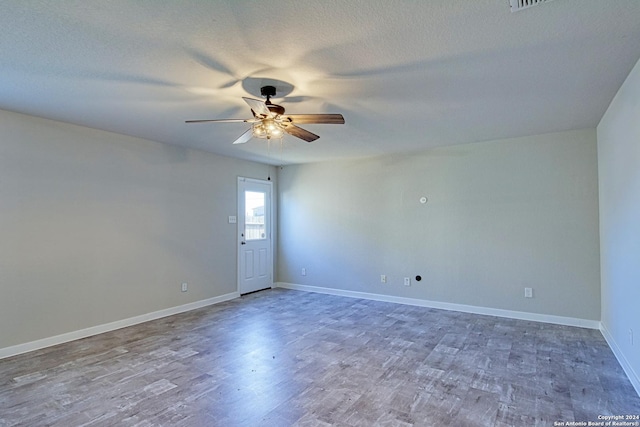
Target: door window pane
(254,226)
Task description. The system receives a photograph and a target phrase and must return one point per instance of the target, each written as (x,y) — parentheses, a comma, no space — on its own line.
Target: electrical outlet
(528,292)
(407,281)
(184,287)
(383,278)
(304,271)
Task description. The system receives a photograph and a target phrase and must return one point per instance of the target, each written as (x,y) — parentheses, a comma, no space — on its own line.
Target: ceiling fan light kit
(269,120)
(267,128)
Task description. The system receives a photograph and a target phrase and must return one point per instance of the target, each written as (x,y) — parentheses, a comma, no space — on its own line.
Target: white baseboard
(626,366)
(107,327)
(521,315)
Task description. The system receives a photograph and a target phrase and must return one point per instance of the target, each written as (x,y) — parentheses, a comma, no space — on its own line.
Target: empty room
(320,213)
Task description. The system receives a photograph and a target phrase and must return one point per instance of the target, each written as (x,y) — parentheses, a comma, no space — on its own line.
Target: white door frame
(240,228)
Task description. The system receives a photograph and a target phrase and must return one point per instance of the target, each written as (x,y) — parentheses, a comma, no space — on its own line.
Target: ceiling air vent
(517,5)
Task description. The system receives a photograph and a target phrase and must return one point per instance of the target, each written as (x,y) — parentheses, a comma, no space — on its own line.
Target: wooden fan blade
(298,132)
(258,107)
(244,137)
(315,118)
(219,121)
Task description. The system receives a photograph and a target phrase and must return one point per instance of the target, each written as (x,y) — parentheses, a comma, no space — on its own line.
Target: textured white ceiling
(406,75)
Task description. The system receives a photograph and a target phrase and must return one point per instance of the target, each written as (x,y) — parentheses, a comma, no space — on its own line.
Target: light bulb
(258,130)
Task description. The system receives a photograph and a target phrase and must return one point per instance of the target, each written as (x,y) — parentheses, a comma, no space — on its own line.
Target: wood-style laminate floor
(283,358)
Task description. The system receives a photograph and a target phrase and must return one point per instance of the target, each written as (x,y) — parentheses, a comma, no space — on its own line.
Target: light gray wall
(619,182)
(98,227)
(501,216)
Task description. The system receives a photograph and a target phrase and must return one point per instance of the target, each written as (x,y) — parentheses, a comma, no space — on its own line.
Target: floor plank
(283,357)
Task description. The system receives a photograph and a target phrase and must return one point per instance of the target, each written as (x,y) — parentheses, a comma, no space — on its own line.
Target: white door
(255,265)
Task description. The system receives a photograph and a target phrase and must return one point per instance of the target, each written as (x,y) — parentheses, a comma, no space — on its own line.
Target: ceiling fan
(269,120)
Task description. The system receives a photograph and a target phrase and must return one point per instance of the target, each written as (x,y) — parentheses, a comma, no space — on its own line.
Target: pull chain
(268,157)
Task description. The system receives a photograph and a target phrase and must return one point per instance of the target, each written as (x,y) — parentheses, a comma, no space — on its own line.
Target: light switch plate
(233,219)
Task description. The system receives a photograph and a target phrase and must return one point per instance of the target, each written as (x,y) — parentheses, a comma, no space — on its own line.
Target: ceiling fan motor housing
(275,109)
(268,92)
